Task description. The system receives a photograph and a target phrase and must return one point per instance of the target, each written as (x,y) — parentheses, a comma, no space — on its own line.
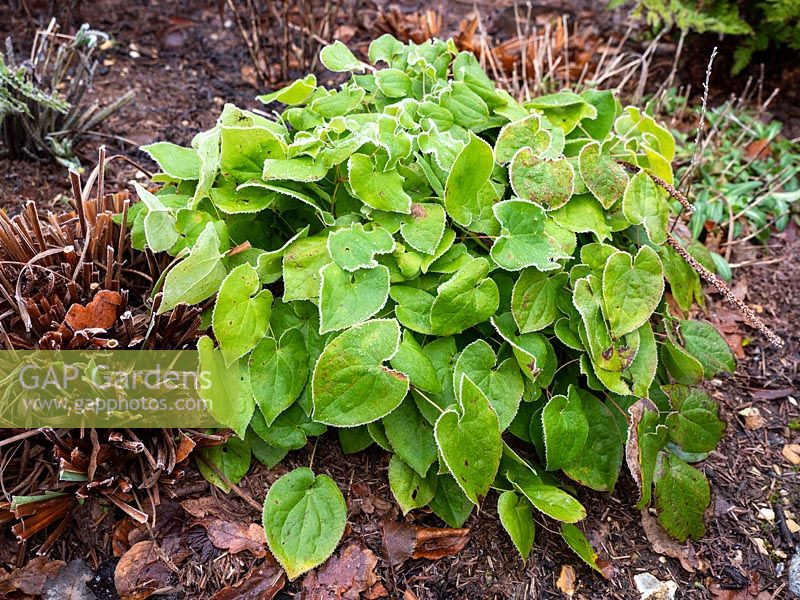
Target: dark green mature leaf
(450,503)
(682,495)
(409,488)
(703,341)
(694,426)
(597,465)
(304,519)
(469,441)
(580,545)
(565,427)
(232,459)
(517,518)
(464,300)
(411,436)
(350,384)
(278,372)
(533,301)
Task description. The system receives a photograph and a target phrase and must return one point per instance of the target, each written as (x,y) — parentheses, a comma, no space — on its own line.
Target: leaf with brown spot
(402,541)
(235,536)
(100,313)
(344,577)
(566,580)
(140,572)
(263,582)
(662,543)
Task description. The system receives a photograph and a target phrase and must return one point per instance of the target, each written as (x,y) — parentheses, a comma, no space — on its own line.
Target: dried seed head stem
(723,289)
(670,189)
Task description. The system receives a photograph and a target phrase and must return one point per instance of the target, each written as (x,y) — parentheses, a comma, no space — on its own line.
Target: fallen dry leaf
(758,149)
(202,507)
(345,576)
(32,577)
(263,582)
(101,312)
(235,536)
(632,445)
(752,418)
(71,583)
(402,541)
(749,592)
(120,541)
(566,580)
(664,544)
(409,595)
(141,572)
(791,452)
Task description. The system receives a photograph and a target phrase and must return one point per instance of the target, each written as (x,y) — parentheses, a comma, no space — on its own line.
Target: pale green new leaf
(355,248)
(523,241)
(198,276)
(338,58)
(227,391)
(379,189)
(175,161)
(349,298)
(644,202)
(159,223)
(241,313)
(468,176)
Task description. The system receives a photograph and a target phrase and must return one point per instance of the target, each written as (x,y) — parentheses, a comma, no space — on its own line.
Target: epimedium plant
(476,285)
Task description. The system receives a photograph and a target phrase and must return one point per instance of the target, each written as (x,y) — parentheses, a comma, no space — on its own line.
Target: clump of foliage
(761,23)
(473,284)
(40,99)
(744,174)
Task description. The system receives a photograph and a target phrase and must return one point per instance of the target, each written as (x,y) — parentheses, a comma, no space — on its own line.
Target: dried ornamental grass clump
(424,263)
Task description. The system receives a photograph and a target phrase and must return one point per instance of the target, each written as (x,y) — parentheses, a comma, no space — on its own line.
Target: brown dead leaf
(141,572)
(207,506)
(263,582)
(752,418)
(663,544)
(31,578)
(566,581)
(632,445)
(100,313)
(791,452)
(235,536)
(402,541)
(758,149)
(750,592)
(120,540)
(185,447)
(344,577)
(71,583)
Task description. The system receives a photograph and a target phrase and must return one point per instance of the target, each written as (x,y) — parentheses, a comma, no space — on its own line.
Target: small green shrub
(761,23)
(475,285)
(40,110)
